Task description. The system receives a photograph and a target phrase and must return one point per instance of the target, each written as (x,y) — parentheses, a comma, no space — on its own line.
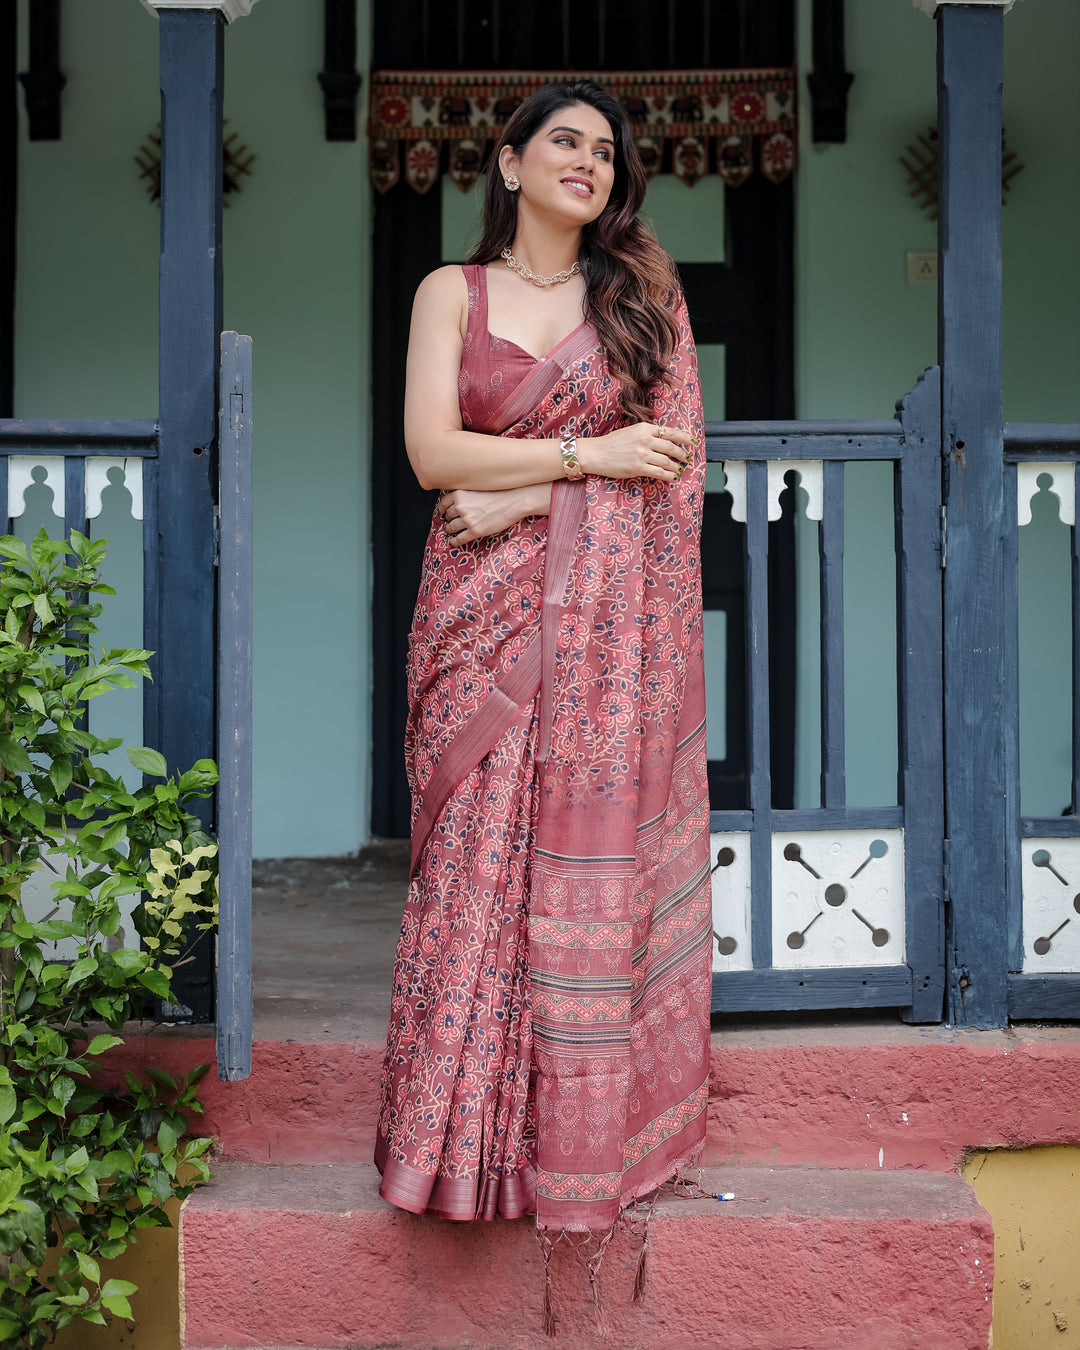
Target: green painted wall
(297,254)
(295,251)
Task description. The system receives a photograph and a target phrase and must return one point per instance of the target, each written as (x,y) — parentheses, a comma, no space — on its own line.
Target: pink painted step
(822,1259)
(863,1098)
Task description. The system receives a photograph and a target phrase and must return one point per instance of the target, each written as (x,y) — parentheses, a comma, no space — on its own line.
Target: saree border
(455,1198)
(529,393)
(517,687)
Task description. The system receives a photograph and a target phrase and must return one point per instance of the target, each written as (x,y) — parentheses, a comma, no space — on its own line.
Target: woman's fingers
(674,434)
(665,447)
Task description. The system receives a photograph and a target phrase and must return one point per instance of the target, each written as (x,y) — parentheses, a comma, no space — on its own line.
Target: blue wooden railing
(1033,993)
(911,442)
(76,441)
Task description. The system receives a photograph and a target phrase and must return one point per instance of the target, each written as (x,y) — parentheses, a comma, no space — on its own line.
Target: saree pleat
(456,1075)
(548,1041)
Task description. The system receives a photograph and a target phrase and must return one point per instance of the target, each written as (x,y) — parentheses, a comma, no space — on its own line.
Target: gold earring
(512,182)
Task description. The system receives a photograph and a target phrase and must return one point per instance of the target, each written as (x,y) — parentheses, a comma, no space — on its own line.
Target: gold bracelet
(571,468)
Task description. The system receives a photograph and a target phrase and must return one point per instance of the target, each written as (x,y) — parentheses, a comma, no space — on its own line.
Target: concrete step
(877,1097)
(803,1259)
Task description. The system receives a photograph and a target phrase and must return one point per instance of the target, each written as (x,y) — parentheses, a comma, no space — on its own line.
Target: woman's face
(568,167)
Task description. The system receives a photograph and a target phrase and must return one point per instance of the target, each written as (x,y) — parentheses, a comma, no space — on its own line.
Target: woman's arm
(468,516)
(445,456)
(441,453)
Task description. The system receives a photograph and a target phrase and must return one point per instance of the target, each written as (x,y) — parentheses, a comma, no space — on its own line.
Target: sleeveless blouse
(491,367)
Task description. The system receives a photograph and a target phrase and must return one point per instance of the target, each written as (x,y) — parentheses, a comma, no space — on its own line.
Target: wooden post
(339,79)
(191,53)
(234,1012)
(829,82)
(179,602)
(970,62)
(44,80)
(9,181)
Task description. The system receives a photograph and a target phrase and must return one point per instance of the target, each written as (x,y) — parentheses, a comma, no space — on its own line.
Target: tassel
(546,1248)
(635,1220)
(639,1277)
(686,1183)
(592,1265)
(602,1327)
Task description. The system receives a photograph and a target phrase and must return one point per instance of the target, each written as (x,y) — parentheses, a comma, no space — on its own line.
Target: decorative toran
(710,118)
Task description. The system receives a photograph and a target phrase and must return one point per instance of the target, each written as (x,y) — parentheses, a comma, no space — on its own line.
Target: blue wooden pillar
(190,298)
(970,61)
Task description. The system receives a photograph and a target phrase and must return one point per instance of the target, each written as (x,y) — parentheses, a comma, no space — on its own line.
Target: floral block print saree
(549,1024)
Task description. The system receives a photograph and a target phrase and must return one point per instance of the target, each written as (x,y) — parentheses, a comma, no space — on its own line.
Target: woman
(548,1040)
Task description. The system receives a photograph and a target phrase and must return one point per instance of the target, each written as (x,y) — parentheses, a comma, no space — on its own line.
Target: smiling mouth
(578,186)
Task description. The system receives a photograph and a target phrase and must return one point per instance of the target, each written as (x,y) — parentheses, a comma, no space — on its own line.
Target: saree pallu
(548,1042)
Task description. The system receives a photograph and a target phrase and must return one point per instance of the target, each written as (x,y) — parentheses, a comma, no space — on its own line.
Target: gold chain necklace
(530,275)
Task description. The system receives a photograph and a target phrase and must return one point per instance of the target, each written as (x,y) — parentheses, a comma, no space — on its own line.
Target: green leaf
(202,775)
(11,1179)
(89,1267)
(60,773)
(166,1137)
(102,1043)
(62,1089)
(32,698)
(149,761)
(112,1287)
(157,982)
(23,1232)
(13,547)
(76,1162)
(13,756)
(52,929)
(117,1304)
(43,609)
(86,965)
(113,835)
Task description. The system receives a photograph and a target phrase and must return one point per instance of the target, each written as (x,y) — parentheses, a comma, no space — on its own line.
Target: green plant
(83,1166)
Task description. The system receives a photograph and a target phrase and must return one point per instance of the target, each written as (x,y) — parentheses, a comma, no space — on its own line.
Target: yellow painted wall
(151,1264)
(1033,1197)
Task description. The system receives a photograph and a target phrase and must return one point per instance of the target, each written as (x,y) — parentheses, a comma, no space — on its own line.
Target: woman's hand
(644,450)
(469,515)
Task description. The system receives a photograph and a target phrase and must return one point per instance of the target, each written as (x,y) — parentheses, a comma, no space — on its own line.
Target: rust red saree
(548,1039)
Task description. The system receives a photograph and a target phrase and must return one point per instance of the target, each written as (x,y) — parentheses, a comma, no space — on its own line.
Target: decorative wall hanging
(236,160)
(708,121)
(921,163)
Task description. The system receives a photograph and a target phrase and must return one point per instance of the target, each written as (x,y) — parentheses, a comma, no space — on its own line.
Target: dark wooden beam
(829,82)
(339,79)
(970,64)
(191,44)
(9,178)
(1046,998)
(44,80)
(835,987)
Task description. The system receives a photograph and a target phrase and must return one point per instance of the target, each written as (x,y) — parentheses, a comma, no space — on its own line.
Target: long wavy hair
(630,282)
